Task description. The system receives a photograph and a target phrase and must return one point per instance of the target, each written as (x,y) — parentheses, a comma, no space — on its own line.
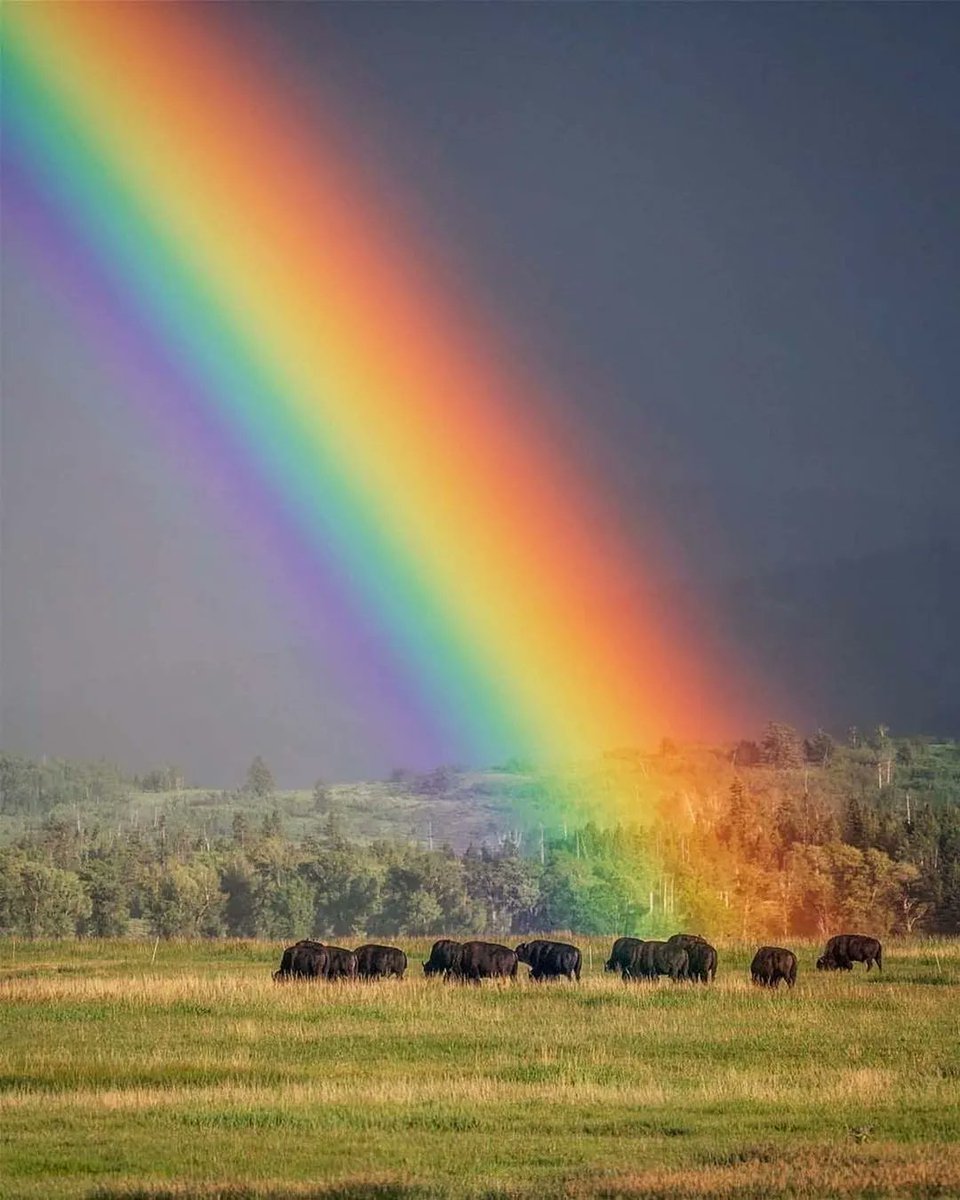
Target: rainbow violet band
(412,482)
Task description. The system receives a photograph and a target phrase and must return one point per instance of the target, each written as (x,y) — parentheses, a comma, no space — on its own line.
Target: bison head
(826,964)
(523,952)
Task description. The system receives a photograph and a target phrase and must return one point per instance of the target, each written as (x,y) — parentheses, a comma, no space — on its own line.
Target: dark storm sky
(726,235)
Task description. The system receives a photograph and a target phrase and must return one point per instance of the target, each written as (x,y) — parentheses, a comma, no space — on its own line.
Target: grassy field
(192,1074)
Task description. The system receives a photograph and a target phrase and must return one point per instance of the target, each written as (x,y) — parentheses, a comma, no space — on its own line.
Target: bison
(444,958)
(487,960)
(773,963)
(379,962)
(341,964)
(702,963)
(303,960)
(624,956)
(686,940)
(550,960)
(662,958)
(845,949)
(701,956)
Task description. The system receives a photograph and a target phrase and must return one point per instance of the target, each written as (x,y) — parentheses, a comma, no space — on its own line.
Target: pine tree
(259,779)
(321,797)
(787,823)
(272,826)
(819,749)
(855,823)
(241,829)
(781,746)
(736,824)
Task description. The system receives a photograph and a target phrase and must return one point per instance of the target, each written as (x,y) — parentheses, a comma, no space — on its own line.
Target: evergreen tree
(787,825)
(241,829)
(819,749)
(736,822)
(259,779)
(781,746)
(855,823)
(272,825)
(321,797)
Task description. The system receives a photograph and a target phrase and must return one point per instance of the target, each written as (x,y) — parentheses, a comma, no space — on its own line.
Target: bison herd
(684,956)
(314,960)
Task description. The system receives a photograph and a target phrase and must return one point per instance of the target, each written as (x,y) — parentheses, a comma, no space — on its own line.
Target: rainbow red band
(414,473)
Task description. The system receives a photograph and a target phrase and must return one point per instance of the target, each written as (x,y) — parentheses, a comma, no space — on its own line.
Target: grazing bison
(304,960)
(341,964)
(623,955)
(662,958)
(701,956)
(444,958)
(773,963)
(487,960)
(285,970)
(378,962)
(845,949)
(550,960)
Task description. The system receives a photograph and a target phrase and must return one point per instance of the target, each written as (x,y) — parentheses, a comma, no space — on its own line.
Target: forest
(767,838)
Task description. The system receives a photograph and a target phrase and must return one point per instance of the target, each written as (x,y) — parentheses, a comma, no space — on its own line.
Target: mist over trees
(781,835)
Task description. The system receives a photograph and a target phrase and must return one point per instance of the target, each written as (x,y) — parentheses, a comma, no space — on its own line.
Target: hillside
(459,808)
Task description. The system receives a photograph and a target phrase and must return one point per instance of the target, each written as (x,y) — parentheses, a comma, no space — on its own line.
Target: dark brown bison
(662,958)
(487,960)
(773,963)
(624,955)
(686,940)
(550,960)
(701,956)
(341,964)
(845,949)
(379,962)
(303,960)
(444,958)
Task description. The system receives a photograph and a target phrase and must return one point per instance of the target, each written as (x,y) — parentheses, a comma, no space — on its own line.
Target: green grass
(192,1073)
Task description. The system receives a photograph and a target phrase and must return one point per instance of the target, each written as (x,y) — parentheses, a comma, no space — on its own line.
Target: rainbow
(241,270)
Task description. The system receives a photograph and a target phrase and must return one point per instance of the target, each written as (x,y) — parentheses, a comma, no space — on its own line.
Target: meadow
(182,1070)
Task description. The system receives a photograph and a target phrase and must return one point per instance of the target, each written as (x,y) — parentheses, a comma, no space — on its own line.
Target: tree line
(780,836)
